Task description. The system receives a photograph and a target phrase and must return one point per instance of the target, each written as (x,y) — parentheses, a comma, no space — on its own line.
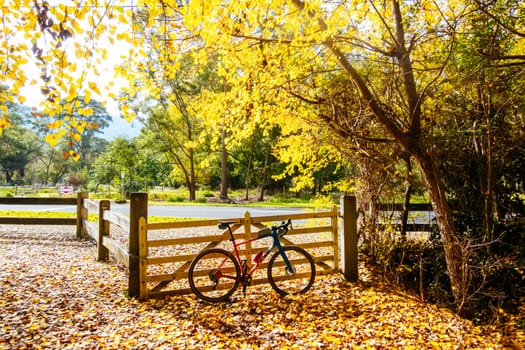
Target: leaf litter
(54,295)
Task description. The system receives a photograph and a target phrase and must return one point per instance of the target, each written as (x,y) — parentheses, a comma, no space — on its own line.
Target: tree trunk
(452,246)
(224,167)
(408,194)
(193,179)
(263,176)
(8,176)
(247,181)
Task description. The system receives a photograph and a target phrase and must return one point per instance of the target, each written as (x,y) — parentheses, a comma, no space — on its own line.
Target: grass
(92,217)
(180,196)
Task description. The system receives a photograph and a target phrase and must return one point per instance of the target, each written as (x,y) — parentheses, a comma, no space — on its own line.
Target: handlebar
(282,229)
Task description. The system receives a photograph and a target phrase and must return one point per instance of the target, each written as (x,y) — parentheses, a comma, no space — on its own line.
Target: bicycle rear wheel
(291,282)
(214,274)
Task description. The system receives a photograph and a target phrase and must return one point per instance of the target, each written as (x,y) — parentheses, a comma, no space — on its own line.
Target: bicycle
(215,273)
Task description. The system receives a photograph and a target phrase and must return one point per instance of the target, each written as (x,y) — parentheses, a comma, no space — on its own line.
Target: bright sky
(119,127)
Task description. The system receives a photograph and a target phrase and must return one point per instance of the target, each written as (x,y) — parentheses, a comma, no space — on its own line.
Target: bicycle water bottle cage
(265,232)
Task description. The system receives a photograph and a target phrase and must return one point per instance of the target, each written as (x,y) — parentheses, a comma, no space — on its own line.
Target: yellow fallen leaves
(54,295)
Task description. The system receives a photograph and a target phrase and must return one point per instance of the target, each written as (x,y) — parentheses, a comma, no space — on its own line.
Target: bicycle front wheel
(297,281)
(214,275)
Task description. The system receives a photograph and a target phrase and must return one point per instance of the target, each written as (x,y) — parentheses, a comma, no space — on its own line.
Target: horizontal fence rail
(390,217)
(76,201)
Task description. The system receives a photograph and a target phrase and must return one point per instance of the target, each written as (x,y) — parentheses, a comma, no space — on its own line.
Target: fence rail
(388,221)
(76,201)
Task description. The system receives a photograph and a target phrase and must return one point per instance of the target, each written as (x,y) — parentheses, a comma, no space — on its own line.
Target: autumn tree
(394,70)
(51,47)
(18,145)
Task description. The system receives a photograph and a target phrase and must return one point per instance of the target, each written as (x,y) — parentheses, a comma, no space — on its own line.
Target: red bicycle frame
(259,257)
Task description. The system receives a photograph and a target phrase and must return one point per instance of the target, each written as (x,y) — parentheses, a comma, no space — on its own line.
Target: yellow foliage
(334,314)
(268,53)
(51,139)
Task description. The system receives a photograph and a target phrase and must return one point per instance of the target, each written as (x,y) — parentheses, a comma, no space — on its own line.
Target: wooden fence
(158,255)
(76,201)
(390,218)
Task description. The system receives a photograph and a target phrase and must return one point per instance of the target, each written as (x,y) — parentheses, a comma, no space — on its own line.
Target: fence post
(103,230)
(81,214)
(335,237)
(143,256)
(248,236)
(138,209)
(349,237)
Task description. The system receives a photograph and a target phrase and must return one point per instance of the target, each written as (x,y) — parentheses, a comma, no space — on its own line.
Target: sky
(121,128)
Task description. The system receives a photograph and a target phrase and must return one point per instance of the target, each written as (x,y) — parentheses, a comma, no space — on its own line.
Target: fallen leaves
(53,294)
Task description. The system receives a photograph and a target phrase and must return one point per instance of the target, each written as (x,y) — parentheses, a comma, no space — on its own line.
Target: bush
(175,199)
(156,196)
(495,275)
(208,194)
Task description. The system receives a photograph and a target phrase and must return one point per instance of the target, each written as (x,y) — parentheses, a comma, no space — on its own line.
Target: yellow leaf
(93,87)
(51,139)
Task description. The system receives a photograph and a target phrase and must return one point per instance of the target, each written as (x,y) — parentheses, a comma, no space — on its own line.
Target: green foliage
(175,199)
(18,145)
(208,194)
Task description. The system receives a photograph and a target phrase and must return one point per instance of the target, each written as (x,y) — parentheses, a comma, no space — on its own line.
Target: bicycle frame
(276,243)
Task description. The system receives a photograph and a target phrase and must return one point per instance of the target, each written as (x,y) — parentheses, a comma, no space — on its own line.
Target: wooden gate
(164,260)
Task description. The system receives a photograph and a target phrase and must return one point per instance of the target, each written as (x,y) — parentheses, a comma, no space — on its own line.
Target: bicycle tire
(203,270)
(298,282)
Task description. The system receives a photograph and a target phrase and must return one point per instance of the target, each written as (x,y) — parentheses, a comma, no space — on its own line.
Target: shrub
(175,199)
(208,194)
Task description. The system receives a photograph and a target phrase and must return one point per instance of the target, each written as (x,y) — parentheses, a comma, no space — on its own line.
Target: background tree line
(161,155)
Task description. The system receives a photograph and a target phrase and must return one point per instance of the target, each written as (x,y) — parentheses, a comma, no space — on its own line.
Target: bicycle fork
(280,249)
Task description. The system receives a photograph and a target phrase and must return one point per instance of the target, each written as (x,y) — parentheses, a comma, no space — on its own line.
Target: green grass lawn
(92,217)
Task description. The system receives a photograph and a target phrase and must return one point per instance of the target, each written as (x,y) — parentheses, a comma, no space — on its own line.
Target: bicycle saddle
(224,224)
